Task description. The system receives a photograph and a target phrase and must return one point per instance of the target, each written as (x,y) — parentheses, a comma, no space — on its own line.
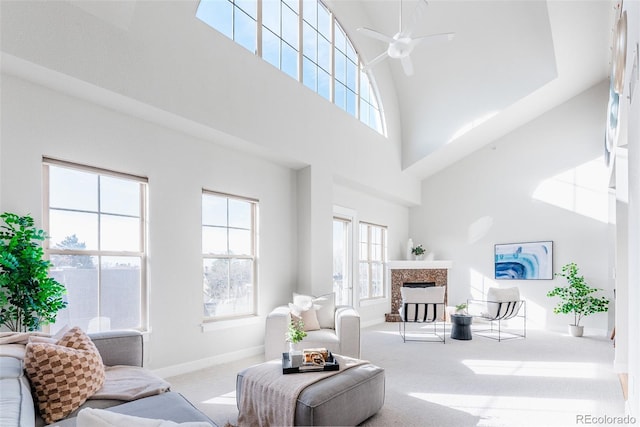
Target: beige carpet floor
(547,379)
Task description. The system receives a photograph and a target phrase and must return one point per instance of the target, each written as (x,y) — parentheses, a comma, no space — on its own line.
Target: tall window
(229,255)
(372,255)
(303,39)
(341,260)
(96,223)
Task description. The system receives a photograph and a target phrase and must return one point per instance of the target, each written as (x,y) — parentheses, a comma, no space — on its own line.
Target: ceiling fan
(402,44)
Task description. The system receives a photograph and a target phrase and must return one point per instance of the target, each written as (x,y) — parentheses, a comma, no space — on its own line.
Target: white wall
(630,129)
(37,121)
(487,198)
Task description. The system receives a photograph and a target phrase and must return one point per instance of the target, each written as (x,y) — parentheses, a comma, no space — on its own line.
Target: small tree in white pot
(577,298)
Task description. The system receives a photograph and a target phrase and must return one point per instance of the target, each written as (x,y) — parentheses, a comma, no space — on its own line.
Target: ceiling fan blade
(375,60)
(418,13)
(376,35)
(407,65)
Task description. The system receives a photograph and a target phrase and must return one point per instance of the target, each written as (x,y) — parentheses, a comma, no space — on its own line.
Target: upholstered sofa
(339,331)
(116,348)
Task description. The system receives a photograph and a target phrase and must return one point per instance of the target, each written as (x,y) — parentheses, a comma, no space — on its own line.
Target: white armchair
(344,339)
(500,306)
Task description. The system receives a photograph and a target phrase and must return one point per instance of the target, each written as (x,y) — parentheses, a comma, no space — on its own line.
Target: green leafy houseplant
(296,332)
(576,297)
(418,250)
(460,308)
(28,296)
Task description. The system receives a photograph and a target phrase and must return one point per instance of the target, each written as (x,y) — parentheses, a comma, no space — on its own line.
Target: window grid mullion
(99,290)
(300,39)
(332,58)
(259,29)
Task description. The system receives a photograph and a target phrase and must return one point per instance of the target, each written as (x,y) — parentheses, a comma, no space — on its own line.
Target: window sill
(231,323)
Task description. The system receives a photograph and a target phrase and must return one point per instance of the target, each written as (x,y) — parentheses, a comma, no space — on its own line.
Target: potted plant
(577,299)
(418,251)
(461,308)
(29,298)
(295,333)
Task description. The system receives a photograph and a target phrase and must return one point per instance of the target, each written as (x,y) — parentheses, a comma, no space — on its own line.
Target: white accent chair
(422,305)
(339,333)
(500,306)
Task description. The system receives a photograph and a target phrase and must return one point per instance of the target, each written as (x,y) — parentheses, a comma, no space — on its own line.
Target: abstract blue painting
(522,261)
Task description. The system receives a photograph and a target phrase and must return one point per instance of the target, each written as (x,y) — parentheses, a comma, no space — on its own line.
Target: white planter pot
(576,331)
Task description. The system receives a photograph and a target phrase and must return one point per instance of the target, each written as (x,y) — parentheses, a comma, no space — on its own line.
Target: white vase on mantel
(409,247)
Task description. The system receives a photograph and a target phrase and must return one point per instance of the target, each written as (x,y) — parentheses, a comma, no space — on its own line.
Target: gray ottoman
(344,399)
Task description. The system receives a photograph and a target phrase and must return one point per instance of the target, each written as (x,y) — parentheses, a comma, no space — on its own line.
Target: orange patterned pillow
(63,375)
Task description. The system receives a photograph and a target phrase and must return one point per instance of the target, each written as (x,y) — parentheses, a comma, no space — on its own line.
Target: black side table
(461,326)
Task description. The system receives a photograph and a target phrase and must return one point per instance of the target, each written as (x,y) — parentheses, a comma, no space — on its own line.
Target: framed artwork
(524,261)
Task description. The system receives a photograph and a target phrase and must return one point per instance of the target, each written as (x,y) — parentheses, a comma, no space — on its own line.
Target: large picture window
(372,256)
(229,255)
(97,246)
(303,39)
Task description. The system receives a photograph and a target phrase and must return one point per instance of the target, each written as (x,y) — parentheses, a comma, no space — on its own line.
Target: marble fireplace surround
(400,272)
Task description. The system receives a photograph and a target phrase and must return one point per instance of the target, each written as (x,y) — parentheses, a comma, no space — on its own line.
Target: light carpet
(547,379)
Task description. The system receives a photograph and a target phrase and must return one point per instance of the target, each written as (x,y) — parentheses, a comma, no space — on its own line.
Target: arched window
(303,39)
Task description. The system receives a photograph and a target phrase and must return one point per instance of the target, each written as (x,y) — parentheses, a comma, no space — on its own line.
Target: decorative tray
(331,364)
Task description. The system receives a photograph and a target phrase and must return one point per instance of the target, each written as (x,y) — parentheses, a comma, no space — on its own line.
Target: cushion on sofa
(325,306)
(166,406)
(65,374)
(16,404)
(308,316)
(91,417)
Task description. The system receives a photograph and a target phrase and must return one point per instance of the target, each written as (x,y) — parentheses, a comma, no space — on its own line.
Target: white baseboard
(185,368)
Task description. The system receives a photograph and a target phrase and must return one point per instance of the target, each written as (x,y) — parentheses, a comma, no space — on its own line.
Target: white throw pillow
(309,317)
(325,306)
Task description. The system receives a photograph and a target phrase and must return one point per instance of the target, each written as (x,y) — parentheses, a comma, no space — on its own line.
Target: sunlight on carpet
(533,368)
(225,399)
(496,410)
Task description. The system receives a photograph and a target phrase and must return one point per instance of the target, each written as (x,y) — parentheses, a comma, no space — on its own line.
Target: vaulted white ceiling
(509,62)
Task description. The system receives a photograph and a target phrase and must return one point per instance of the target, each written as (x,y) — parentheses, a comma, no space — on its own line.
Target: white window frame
(142,253)
(253,256)
(348,216)
(368,109)
(367,259)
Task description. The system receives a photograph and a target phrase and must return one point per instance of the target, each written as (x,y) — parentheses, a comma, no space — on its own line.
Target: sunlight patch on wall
(536,315)
(479,228)
(480,284)
(582,190)
(468,127)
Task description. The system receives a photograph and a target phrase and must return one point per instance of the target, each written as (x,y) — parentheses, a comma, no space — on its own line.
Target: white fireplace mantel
(419,265)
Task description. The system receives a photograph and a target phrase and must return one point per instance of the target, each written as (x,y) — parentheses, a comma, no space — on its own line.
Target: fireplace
(418,284)
(414,274)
